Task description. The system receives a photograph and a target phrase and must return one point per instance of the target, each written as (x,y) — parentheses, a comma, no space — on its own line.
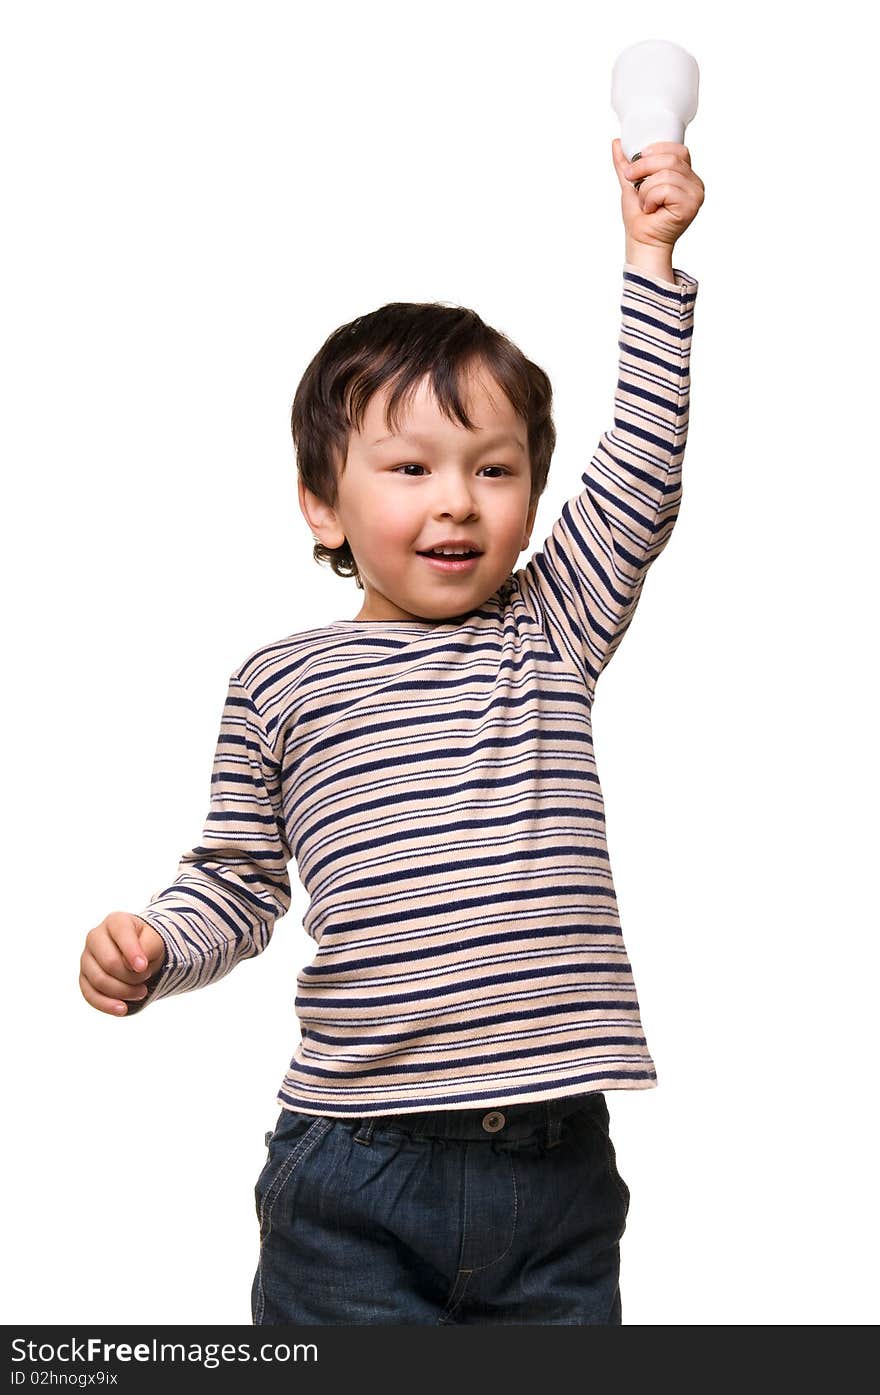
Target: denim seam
(611,1160)
(287,1167)
(461,1273)
(296,1157)
(478,1269)
(467,1274)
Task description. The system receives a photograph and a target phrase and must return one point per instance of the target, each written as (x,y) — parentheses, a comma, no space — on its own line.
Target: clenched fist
(120,955)
(660,193)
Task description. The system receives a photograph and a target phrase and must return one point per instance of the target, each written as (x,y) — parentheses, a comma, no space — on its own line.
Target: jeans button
(493,1121)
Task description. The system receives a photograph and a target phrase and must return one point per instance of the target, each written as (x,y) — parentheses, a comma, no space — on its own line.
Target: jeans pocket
(596,1112)
(288,1143)
(620,1184)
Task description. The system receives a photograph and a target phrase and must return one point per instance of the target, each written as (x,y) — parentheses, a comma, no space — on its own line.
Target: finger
(114,1006)
(667,148)
(108,985)
(108,955)
(124,936)
(666,191)
(667,187)
(638,169)
(620,164)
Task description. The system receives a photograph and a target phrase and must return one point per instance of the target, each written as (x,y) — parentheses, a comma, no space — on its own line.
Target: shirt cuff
(681,277)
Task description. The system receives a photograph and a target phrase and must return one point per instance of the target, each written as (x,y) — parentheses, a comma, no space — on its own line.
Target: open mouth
(460,562)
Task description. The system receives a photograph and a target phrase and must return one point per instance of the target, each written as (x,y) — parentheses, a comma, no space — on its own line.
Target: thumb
(123,929)
(620,163)
(151,944)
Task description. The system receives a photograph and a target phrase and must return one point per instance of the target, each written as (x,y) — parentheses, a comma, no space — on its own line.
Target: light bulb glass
(654,91)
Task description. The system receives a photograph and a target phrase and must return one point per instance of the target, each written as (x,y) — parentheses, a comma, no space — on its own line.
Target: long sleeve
(584,584)
(232,887)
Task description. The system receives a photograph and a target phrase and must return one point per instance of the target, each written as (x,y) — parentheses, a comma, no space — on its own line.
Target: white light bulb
(654,88)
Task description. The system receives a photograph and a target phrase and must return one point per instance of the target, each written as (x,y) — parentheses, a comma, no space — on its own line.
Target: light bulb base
(641,128)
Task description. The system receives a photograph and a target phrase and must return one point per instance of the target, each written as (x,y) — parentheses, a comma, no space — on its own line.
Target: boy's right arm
(122,960)
(229,890)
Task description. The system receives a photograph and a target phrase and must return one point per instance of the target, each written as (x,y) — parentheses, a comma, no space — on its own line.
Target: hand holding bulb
(665,198)
(654,91)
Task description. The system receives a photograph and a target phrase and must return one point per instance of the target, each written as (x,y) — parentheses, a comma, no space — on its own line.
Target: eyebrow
(504,438)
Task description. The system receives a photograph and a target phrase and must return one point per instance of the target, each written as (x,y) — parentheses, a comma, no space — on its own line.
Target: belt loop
(365,1132)
(554,1125)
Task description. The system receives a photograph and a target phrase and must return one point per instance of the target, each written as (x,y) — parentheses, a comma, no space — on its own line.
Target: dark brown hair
(401,343)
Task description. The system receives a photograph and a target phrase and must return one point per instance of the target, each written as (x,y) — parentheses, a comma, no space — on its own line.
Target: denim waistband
(511,1122)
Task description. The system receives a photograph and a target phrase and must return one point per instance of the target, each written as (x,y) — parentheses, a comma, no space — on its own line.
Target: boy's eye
(412,465)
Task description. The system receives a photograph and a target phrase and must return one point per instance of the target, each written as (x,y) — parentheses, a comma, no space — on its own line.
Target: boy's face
(401,495)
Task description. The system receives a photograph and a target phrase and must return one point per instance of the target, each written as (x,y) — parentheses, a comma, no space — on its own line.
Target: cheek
(386,537)
(393,525)
(510,531)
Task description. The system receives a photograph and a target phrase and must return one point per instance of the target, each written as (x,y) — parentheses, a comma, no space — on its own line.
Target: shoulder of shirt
(277,658)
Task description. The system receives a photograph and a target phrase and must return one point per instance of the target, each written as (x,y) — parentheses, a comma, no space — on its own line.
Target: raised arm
(232,887)
(585,583)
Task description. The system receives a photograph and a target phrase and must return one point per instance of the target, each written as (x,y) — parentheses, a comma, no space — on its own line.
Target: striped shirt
(436,784)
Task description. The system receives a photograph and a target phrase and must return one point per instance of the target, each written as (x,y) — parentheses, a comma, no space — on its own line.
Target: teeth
(448,552)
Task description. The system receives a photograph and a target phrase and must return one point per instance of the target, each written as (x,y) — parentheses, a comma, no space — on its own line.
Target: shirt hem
(372,1109)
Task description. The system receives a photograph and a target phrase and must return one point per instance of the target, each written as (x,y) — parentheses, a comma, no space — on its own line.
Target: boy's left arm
(587,579)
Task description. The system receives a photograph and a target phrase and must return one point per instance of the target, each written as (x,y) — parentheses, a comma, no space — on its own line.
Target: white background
(195,195)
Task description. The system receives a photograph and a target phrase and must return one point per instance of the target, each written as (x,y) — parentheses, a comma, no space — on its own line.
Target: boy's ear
(529,524)
(321,518)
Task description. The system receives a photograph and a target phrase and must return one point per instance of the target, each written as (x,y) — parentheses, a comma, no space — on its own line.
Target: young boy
(443,1150)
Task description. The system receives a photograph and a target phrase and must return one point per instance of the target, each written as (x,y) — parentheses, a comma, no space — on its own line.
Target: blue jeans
(504,1215)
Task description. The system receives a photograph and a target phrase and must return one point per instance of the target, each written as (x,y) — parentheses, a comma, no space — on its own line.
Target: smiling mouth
(439,552)
(443,563)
